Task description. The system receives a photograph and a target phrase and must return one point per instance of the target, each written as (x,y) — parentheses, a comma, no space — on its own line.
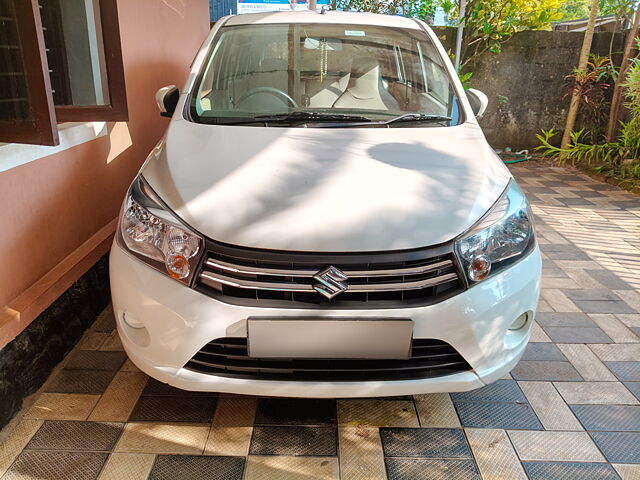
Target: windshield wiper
(297,117)
(417,117)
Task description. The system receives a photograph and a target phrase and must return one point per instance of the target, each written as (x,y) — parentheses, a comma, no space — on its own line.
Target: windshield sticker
(354,33)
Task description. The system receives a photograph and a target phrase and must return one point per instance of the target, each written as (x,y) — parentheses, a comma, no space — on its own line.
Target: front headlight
(152,233)
(499,238)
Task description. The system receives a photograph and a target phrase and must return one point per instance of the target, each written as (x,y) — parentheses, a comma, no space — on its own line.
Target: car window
(372,71)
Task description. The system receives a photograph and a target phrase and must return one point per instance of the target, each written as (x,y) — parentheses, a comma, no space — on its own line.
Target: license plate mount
(335,338)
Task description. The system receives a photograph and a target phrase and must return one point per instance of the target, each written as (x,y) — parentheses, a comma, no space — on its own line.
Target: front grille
(285,279)
(228,357)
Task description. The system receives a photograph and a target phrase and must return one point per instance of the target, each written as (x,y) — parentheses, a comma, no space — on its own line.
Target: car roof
(335,17)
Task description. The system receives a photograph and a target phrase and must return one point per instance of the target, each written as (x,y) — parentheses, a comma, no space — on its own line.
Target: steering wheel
(273,91)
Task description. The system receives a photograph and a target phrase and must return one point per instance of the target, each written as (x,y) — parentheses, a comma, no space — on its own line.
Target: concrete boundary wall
(526,82)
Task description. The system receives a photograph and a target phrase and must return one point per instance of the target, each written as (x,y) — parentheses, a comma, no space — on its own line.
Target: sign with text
(259,6)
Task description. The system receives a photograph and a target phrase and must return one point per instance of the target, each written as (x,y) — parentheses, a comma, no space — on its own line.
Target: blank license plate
(329,338)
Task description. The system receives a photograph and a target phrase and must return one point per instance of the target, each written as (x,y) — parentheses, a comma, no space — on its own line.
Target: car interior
(292,68)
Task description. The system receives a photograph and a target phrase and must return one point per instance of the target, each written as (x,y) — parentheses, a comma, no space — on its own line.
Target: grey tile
(33,464)
(577,335)
(424,442)
(588,193)
(517,416)
(622,418)
(192,467)
(636,330)
(541,190)
(564,320)
(106,322)
(634,387)
(575,202)
(625,371)
(295,411)
(618,447)
(591,293)
(306,441)
(603,306)
(429,469)
(95,360)
(80,381)
(71,435)
(609,279)
(173,409)
(543,351)
(545,370)
(500,391)
(569,471)
(563,252)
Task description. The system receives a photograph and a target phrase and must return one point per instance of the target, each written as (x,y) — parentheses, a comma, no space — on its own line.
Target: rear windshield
(369,71)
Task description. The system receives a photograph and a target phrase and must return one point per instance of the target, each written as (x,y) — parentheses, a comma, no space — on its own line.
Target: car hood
(326,189)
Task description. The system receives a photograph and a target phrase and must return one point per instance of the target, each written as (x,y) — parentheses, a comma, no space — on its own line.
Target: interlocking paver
(586,362)
(361,454)
(498,415)
(494,454)
(543,351)
(545,370)
(500,391)
(70,435)
(609,417)
(295,441)
(581,371)
(549,406)
(430,469)
(436,410)
(577,335)
(291,468)
(424,442)
(555,446)
(613,393)
(569,471)
(619,447)
(625,371)
(171,467)
(127,466)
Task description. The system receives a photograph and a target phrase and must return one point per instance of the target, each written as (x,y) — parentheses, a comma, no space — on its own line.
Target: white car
(324,218)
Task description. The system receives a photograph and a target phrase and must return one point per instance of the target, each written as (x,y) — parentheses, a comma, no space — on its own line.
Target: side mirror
(167,99)
(478,101)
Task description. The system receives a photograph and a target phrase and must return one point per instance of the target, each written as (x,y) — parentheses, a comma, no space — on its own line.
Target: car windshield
(315,73)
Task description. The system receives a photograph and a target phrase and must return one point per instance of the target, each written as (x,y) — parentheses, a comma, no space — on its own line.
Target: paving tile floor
(569,410)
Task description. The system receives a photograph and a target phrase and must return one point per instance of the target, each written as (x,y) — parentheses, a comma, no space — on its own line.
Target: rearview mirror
(478,101)
(167,99)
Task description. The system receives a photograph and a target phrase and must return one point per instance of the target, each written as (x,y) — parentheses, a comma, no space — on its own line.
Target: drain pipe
(461,14)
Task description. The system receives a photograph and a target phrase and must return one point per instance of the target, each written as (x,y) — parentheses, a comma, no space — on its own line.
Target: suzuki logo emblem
(332,282)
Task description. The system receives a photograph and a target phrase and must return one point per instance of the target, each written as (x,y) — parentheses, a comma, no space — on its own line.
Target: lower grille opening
(228,357)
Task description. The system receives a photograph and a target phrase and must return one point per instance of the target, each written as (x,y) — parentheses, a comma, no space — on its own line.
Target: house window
(60,61)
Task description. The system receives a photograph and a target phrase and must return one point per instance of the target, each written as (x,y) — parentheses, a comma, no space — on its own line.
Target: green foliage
(409,8)
(579,9)
(489,23)
(465,79)
(620,158)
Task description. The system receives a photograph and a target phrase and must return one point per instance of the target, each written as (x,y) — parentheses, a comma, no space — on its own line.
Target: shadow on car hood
(325,189)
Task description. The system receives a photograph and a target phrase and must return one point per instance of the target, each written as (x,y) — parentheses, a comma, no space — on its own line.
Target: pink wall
(51,206)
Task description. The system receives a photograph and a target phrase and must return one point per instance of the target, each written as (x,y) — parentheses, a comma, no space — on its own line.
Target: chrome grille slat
(306,273)
(211,279)
(286,279)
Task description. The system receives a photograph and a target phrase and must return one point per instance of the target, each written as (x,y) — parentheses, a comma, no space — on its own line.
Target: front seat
(365,88)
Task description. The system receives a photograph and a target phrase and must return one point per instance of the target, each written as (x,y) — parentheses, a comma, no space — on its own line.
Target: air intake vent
(228,357)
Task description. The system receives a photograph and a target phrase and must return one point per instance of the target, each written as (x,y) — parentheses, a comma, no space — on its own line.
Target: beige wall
(51,206)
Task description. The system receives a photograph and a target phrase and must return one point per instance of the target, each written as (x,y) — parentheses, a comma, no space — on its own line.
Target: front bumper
(178,321)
